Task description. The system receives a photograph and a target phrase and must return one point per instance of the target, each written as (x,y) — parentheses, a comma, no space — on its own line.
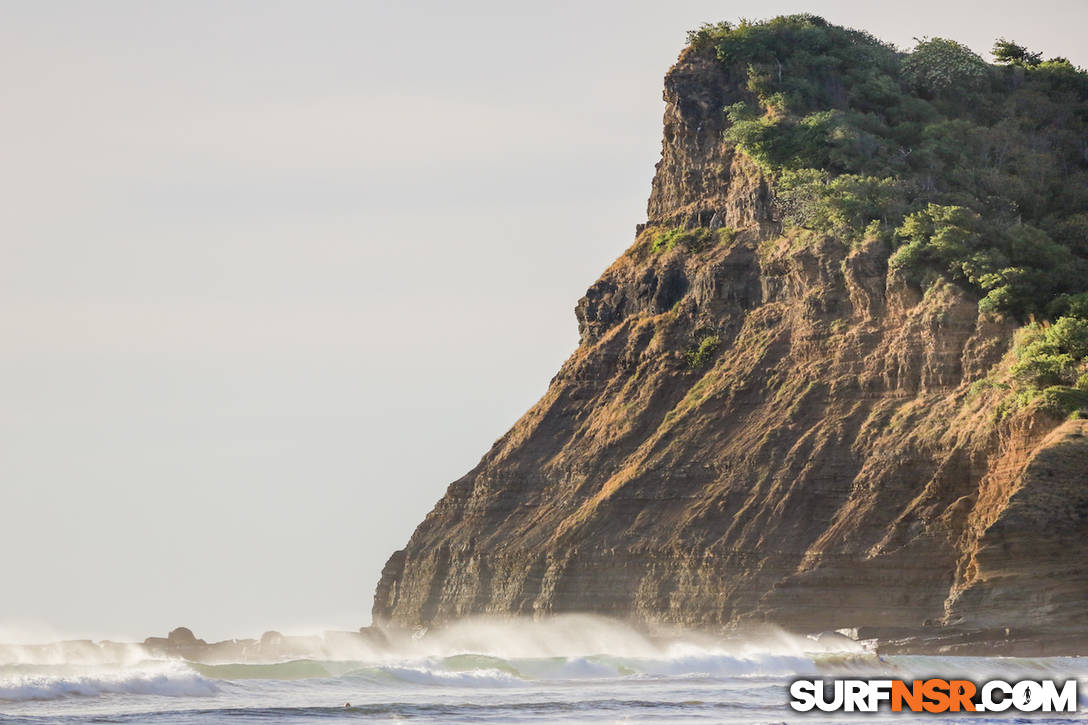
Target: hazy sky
(272,274)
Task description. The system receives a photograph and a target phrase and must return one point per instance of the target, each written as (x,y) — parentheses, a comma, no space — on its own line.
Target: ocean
(575,669)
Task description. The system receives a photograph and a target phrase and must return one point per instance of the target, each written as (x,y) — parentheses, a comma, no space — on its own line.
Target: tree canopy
(973,171)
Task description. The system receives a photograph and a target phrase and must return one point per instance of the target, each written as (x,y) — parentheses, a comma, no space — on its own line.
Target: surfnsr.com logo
(934,695)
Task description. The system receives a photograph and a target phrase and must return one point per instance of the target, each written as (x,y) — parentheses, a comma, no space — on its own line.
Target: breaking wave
(50,682)
(473,670)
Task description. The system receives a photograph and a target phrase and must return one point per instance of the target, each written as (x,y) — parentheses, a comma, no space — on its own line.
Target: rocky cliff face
(831,459)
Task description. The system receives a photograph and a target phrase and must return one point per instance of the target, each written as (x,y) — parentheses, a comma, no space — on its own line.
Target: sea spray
(573,668)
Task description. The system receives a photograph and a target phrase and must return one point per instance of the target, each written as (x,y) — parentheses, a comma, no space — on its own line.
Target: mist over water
(565,669)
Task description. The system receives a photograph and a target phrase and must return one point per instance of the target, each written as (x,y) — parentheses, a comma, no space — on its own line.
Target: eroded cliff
(763,423)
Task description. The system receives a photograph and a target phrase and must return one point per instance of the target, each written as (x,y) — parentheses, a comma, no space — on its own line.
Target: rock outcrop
(181,643)
(833,458)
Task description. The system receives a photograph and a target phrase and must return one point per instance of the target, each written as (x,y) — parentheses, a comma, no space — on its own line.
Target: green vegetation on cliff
(700,354)
(691,239)
(973,171)
(1050,364)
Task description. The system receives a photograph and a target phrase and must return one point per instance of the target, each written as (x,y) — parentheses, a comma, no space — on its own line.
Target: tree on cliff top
(1009,53)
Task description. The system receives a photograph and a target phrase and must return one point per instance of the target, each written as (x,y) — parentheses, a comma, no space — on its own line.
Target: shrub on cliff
(1054,354)
(700,355)
(1051,367)
(844,205)
(1017,269)
(692,239)
(695,239)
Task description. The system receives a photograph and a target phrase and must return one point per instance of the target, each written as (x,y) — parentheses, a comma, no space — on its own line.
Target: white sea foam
(722,665)
(422,675)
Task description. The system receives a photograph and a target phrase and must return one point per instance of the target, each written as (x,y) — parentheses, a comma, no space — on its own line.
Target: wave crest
(167,679)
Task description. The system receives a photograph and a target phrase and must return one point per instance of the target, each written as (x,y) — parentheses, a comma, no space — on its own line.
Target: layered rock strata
(836,458)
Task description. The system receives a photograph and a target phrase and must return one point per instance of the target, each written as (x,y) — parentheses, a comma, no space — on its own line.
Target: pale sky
(272,274)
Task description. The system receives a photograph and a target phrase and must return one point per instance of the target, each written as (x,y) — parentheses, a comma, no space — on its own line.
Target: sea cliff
(768,423)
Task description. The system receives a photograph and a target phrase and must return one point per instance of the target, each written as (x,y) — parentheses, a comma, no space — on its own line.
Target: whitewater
(567,669)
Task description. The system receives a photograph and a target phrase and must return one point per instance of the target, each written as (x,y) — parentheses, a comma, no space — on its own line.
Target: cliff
(765,423)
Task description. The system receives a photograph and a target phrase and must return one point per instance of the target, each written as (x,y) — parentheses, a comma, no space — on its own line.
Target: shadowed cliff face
(833,460)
